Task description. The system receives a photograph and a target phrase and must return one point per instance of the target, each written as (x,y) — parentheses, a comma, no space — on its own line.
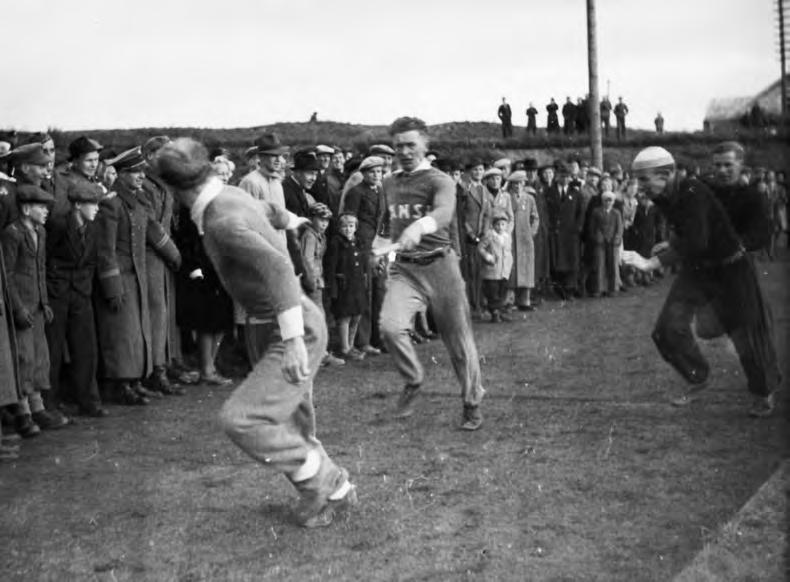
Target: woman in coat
(526,223)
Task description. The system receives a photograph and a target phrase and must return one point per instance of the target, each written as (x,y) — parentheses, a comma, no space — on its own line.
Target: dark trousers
(620,128)
(605,267)
(368,331)
(733,294)
(507,129)
(495,292)
(73,325)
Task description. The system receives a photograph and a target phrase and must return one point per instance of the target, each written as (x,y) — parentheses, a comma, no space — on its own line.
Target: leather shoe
(49,420)
(94,411)
(25,427)
(128,396)
(405,407)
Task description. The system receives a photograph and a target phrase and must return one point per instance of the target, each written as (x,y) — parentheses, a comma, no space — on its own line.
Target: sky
(98,64)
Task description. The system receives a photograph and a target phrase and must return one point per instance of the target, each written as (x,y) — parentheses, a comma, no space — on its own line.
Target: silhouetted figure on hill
(314,117)
(532,119)
(659,121)
(620,111)
(506,117)
(568,116)
(552,121)
(606,113)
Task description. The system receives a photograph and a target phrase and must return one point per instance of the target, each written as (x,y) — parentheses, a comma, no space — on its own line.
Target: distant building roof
(769,99)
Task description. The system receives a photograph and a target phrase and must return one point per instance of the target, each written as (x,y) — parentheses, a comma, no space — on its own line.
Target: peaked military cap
(130,160)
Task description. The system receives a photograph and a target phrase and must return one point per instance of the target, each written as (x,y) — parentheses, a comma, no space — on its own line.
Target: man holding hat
(123,321)
(297,185)
(24,252)
(71,267)
(366,202)
(270,415)
(717,273)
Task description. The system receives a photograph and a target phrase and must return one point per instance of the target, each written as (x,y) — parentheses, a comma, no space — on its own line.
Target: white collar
(423,165)
(208,192)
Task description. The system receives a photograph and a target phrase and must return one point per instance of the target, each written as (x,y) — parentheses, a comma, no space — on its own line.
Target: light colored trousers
(439,287)
(271,419)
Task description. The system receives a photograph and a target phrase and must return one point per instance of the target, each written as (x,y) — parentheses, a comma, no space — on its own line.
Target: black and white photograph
(417,291)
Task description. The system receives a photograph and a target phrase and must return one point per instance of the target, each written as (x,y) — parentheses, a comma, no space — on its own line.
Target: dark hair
(403,124)
(183,164)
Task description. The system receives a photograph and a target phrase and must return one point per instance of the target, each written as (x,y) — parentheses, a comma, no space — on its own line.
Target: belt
(423,259)
(733,258)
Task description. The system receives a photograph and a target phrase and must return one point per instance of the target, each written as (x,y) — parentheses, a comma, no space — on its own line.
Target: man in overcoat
(566,221)
(270,415)
(162,260)
(121,300)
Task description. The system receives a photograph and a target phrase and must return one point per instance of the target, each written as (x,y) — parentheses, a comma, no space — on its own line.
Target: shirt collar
(423,165)
(208,192)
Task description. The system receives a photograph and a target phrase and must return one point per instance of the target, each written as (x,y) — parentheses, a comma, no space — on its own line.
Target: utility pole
(594,101)
(780,5)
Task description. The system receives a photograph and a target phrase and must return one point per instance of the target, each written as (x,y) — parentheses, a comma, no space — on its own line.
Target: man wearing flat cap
(123,320)
(425,274)
(270,415)
(366,202)
(379,150)
(326,188)
(716,273)
(24,253)
(30,167)
(162,260)
(71,268)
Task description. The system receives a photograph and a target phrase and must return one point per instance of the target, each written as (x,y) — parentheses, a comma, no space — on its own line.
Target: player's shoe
(319,508)
(405,406)
(688,396)
(763,406)
(472,418)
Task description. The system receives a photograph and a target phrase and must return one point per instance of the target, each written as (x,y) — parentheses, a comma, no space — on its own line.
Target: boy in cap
(606,236)
(313,245)
(717,274)
(71,267)
(24,251)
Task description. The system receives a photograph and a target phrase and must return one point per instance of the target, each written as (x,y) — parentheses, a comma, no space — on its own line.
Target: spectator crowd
(108,295)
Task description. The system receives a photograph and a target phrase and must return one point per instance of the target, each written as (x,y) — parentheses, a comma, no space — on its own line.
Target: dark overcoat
(542,236)
(566,220)
(9,372)
(346,276)
(161,259)
(125,336)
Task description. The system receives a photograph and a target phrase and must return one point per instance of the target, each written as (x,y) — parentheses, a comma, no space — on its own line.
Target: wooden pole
(594,101)
(782,57)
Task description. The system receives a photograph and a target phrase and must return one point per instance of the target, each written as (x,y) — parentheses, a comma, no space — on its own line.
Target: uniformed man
(425,273)
(30,167)
(620,111)
(716,273)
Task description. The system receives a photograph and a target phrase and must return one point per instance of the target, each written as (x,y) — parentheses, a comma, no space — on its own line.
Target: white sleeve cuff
(291,323)
(428,225)
(295,221)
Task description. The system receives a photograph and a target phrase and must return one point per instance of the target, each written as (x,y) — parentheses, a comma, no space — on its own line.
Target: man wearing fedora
(270,415)
(297,185)
(265,183)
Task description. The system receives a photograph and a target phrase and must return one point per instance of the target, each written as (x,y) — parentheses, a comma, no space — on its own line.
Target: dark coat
(646,229)
(124,337)
(369,206)
(542,261)
(566,221)
(161,259)
(606,227)
(71,259)
(296,199)
(201,304)
(26,268)
(9,371)
(346,276)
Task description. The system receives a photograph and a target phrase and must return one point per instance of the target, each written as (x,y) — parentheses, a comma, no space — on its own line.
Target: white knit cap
(652,158)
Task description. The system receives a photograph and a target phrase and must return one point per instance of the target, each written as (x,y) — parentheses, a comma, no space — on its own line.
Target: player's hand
(48,315)
(659,248)
(295,364)
(410,237)
(196,274)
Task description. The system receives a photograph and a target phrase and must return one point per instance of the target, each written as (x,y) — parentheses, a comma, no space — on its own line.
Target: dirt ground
(580,472)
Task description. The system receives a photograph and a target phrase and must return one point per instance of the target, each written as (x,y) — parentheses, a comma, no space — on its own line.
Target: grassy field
(581,471)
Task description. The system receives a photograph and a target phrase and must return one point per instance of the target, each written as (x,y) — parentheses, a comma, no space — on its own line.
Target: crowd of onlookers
(108,294)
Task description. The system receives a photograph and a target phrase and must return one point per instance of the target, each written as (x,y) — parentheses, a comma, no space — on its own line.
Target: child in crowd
(24,250)
(646,233)
(346,282)
(628,210)
(313,245)
(495,250)
(606,233)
